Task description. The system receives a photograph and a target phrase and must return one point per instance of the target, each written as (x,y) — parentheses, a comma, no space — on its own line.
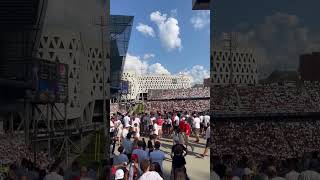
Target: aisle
(197,168)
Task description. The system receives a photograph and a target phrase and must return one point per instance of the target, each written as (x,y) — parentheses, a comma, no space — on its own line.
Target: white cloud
(200,20)
(136,65)
(279,40)
(169,30)
(148,56)
(157,68)
(145,30)
(197,74)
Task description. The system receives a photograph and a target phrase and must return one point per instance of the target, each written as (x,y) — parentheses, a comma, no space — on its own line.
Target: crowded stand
(266,98)
(256,145)
(13,150)
(178,105)
(197,92)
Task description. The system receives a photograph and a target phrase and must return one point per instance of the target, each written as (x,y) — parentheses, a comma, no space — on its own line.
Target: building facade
(240,68)
(141,84)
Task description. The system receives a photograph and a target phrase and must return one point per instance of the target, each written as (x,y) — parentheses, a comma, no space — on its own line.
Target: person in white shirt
(119,133)
(208,142)
(151,121)
(126,120)
(196,126)
(142,155)
(292,174)
(136,120)
(201,117)
(157,155)
(155,130)
(53,175)
(148,175)
(206,122)
(121,158)
(136,129)
(176,121)
(125,131)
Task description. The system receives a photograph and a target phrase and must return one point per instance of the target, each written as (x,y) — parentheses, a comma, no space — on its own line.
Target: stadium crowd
(266,98)
(267,148)
(178,105)
(13,150)
(169,94)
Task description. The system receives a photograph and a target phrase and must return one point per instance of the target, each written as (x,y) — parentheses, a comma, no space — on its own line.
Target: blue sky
(171,43)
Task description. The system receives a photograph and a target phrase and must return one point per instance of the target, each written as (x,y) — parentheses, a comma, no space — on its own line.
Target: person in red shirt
(187,133)
(160,122)
(182,125)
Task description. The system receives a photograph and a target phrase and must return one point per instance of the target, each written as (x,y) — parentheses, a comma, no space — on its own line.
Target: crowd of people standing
(138,138)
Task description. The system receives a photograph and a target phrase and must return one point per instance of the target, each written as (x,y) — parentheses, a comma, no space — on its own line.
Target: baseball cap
(134,156)
(119,174)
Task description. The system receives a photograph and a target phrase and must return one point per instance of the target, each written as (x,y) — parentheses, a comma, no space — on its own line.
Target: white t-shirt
(155,129)
(196,123)
(206,120)
(119,130)
(126,121)
(177,120)
(150,175)
(137,130)
(208,133)
(117,123)
(201,118)
(151,120)
(292,175)
(136,120)
(169,121)
(157,156)
(111,126)
(125,133)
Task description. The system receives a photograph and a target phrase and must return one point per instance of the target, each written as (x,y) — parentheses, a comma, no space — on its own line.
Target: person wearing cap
(119,175)
(147,174)
(134,168)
